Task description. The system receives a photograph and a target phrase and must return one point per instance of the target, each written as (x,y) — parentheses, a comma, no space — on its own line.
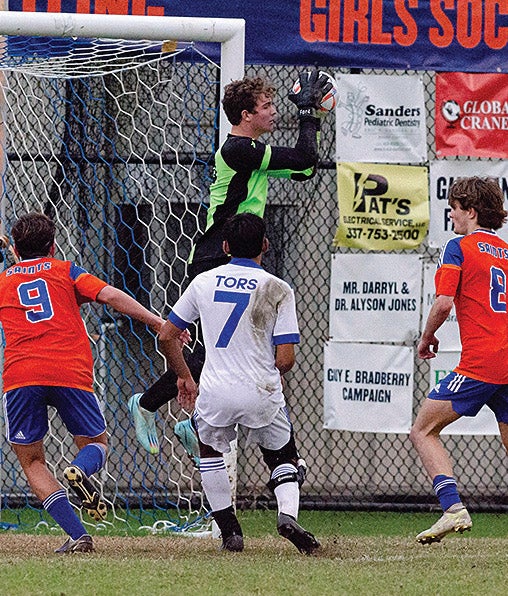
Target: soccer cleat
(233,543)
(83,544)
(446,524)
(144,422)
(90,499)
(188,438)
(304,541)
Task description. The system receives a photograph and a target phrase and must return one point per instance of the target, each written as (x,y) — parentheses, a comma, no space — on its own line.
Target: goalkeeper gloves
(313,87)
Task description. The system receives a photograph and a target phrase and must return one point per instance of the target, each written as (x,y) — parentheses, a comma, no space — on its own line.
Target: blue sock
(91,458)
(58,506)
(445,488)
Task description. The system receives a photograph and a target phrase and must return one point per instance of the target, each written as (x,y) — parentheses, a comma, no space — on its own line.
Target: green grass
(363,553)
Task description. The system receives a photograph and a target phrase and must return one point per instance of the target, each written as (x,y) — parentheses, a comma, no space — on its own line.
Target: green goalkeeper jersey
(242,168)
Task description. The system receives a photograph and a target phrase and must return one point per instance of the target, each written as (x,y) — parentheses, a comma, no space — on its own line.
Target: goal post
(230,33)
(113,134)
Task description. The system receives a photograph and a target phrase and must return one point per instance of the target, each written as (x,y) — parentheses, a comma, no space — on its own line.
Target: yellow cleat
(90,499)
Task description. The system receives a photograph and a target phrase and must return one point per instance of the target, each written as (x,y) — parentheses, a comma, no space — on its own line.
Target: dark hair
(244,233)
(482,194)
(33,235)
(243,95)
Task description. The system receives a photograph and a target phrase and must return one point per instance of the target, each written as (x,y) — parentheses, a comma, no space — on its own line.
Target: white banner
(448,333)
(381,118)
(368,388)
(442,174)
(484,423)
(375,298)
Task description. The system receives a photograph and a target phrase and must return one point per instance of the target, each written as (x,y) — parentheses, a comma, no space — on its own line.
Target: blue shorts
(468,395)
(26,412)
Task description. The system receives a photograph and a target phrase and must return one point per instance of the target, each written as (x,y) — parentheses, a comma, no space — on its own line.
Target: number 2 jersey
(474,269)
(245,312)
(46,340)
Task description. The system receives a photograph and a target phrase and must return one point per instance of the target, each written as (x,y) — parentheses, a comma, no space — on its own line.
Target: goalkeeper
(242,166)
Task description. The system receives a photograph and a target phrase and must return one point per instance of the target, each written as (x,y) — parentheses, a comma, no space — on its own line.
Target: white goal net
(114,139)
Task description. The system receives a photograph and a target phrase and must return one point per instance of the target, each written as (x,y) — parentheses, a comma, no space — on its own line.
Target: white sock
(215,481)
(288,493)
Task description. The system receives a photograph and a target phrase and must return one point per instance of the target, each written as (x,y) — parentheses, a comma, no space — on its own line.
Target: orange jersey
(46,340)
(474,269)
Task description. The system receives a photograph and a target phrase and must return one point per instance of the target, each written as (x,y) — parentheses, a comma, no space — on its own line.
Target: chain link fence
(349,470)
(145,233)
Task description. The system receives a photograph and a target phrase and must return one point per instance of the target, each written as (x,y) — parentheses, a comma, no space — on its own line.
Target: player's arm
(127,305)
(429,343)
(285,357)
(299,163)
(171,347)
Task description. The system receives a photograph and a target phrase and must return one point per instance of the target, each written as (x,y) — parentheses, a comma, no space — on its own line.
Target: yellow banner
(382,207)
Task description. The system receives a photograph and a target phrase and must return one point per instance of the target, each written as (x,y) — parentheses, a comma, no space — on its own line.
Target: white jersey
(245,312)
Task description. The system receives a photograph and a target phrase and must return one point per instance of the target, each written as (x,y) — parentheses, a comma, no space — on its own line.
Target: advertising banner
(382,207)
(484,423)
(471,116)
(375,298)
(401,35)
(368,388)
(442,174)
(381,118)
(448,333)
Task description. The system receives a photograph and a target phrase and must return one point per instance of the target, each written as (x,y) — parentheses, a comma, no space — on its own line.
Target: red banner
(472,114)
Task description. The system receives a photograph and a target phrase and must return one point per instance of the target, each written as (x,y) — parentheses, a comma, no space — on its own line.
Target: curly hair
(482,194)
(243,95)
(33,235)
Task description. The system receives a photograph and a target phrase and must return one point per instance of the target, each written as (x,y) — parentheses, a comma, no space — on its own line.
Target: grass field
(362,554)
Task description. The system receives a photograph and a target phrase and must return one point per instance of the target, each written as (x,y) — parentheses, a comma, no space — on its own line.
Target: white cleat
(446,524)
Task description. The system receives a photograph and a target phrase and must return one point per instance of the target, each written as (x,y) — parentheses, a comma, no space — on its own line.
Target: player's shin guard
(91,458)
(446,491)
(58,506)
(215,481)
(283,482)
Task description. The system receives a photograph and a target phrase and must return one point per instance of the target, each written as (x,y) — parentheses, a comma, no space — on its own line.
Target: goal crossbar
(230,33)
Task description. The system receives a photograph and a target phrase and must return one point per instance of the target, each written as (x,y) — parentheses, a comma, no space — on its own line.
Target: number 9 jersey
(46,342)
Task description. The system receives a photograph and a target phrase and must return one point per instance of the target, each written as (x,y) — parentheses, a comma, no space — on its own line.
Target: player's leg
(26,433)
(90,459)
(54,498)
(81,413)
(284,481)
(499,405)
(215,481)
(430,421)
(143,407)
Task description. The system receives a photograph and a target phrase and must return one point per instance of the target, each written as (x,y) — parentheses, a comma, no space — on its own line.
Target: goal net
(109,124)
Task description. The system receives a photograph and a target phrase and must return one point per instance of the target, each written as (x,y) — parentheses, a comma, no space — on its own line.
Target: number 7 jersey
(245,313)
(46,340)
(474,269)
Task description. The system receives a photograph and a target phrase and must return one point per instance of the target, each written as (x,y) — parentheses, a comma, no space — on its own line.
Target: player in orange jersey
(48,361)
(472,273)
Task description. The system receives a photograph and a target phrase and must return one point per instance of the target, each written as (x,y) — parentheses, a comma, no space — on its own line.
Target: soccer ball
(329,101)
(450,110)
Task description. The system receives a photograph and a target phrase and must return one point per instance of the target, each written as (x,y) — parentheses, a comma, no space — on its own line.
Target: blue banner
(442,35)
